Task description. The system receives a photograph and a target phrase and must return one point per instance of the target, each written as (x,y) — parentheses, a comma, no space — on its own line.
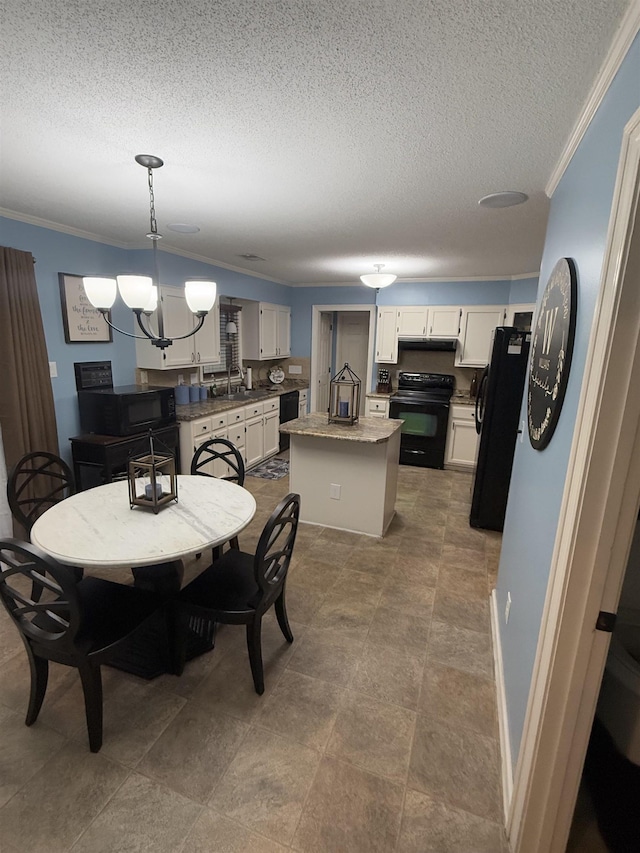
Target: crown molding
(96,238)
(627,31)
(424,280)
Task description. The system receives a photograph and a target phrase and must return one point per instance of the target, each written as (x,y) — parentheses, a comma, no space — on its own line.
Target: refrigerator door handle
(480,399)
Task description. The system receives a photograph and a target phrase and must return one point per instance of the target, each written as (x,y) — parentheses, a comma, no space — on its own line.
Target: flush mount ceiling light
(508,198)
(140,292)
(378,279)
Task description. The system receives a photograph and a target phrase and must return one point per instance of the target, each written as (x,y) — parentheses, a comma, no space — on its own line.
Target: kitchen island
(346,476)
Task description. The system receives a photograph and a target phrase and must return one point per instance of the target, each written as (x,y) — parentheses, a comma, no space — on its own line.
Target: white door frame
(315,325)
(596,524)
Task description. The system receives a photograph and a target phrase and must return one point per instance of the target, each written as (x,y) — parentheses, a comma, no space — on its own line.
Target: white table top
(98,527)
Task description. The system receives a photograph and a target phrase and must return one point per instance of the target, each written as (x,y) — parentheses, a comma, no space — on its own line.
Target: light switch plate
(53,369)
(334,491)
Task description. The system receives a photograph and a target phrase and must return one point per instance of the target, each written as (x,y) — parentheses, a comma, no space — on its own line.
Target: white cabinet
(201,348)
(254,440)
(195,433)
(476,333)
(377,407)
(387,336)
(413,321)
(462,438)
(271,433)
(444,321)
(302,403)
(266,331)
(520,315)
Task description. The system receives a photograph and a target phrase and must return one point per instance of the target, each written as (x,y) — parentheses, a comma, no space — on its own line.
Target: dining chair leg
(254,645)
(39,679)
(91,678)
(281,615)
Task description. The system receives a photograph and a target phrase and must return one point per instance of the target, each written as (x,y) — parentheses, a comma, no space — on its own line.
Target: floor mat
(272,469)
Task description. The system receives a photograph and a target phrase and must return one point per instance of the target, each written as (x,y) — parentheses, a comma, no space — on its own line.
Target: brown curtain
(27,413)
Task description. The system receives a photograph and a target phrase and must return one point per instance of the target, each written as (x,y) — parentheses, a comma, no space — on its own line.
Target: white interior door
(352,346)
(325,344)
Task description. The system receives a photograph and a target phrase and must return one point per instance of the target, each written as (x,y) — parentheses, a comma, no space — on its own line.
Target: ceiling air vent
(250,257)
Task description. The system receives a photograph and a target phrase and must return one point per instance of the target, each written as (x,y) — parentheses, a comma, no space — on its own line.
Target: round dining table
(99,528)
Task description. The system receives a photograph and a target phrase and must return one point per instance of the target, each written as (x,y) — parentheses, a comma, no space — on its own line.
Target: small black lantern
(152,479)
(344,399)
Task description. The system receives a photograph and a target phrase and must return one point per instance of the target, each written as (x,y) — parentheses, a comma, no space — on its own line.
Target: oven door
(424,431)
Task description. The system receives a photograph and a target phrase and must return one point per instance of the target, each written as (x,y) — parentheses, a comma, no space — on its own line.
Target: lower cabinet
(377,407)
(462,438)
(254,440)
(271,433)
(302,403)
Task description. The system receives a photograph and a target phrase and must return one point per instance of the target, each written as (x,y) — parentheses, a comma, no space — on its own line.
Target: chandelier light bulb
(101,292)
(200,295)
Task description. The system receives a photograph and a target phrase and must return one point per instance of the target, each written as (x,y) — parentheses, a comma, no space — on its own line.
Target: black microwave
(126,410)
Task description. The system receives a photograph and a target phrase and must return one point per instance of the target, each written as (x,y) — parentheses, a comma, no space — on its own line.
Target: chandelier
(140,292)
(377,278)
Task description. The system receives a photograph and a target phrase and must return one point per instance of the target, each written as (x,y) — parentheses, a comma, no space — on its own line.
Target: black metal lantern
(152,479)
(344,398)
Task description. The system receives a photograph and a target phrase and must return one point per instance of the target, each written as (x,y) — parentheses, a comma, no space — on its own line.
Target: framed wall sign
(551,351)
(83,324)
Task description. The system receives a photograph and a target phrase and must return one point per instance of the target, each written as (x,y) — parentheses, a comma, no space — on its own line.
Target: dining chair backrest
(219,458)
(40,595)
(275,546)
(35,483)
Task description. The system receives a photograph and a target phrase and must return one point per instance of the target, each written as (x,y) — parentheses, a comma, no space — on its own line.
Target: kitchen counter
(215,405)
(463,400)
(346,476)
(364,431)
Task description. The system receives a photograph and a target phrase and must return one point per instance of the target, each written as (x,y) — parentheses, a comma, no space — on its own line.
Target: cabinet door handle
(424,330)
(198,356)
(193,357)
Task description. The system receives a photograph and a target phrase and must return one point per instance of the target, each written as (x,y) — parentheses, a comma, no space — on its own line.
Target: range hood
(428,344)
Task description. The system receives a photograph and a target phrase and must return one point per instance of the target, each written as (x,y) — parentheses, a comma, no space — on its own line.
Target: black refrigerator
(497,415)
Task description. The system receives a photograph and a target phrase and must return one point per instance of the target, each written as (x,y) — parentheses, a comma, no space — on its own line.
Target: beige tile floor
(377,730)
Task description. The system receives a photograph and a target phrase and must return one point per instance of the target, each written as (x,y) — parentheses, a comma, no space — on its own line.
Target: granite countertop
(215,405)
(365,431)
(463,399)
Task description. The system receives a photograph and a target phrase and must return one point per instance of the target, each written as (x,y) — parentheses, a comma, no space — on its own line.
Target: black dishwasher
(288,412)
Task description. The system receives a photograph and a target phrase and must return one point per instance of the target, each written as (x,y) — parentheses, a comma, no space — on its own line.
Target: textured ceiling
(322,135)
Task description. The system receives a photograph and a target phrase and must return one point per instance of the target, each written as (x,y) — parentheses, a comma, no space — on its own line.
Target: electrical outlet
(194,378)
(334,491)
(53,369)
(507,609)
(144,377)
(295,368)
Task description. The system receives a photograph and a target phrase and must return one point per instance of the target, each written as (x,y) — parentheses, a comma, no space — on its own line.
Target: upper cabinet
(387,336)
(201,348)
(520,316)
(266,331)
(476,329)
(413,321)
(444,321)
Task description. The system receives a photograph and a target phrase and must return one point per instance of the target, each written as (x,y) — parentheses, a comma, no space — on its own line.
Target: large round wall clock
(551,350)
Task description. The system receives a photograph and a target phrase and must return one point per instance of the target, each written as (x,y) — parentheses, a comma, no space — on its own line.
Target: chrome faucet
(231,367)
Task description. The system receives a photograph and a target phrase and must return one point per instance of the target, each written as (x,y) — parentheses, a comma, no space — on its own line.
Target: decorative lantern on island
(152,479)
(344,399)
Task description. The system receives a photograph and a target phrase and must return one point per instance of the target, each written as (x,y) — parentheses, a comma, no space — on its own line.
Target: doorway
(340,333)
(596,525)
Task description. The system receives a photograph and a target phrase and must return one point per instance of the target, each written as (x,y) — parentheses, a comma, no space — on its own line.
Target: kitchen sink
(244,395)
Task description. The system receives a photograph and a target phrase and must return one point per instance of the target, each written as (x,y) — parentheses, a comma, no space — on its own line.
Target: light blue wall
(577,228)
(523,290)
(57,252)
(304,298)
(446,293)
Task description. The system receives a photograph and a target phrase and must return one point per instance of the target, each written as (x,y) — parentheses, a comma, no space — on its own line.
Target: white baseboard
(503,720)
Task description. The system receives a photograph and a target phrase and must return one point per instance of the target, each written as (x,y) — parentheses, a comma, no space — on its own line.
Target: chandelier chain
(152,208)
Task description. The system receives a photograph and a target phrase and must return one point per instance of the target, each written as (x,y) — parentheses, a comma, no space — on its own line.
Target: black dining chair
(82,624)
(219,454)
(239,588)
(38,481)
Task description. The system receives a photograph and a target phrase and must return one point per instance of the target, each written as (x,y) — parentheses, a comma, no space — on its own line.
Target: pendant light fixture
(378,279)
(231,328)
(140,292)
